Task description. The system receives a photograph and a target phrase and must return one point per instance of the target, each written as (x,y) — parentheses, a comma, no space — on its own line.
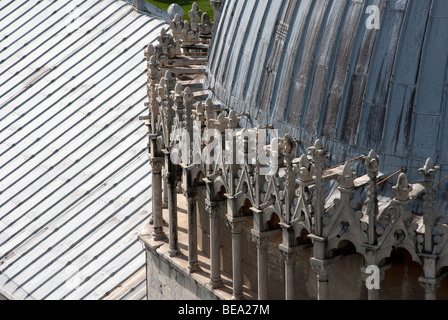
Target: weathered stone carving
(318,155)
(188,34)
(372,166)
(290,201)
(206,27)
(195,16)
(177,25)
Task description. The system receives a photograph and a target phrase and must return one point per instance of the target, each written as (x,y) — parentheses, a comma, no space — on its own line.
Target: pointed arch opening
(303,239)
(274,222)
(344,248)
(221,194)
(348,262)
(401,276)
(245,208)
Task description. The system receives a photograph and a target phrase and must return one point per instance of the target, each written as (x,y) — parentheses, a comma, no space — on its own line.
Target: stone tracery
(296,193)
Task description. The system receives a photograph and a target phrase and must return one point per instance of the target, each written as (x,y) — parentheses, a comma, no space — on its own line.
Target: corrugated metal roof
(312,68)
(74,173)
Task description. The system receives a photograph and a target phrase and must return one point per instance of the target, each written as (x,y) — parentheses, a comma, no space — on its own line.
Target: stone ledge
(179,264)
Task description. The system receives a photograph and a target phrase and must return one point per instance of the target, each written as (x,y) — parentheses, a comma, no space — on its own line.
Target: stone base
(168,278)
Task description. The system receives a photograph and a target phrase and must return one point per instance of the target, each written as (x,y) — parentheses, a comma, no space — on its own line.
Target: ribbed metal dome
(312,68)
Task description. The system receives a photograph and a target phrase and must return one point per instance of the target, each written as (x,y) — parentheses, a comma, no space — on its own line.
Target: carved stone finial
(429,213)
(170,82)
(188,95)
(220,123)
(304,169)
(402,189)
(168,75)
(287,145)
(429,168)
(317,152)
(161,88)
(149,52)
(153,67)
(206,25)
(178,99)
(198,114)
(187,33)
(158,53)
(177,18)
(195,16)
(304,162)
(153,60)
(167,43)
(188,98)
(372,162)
(232,120)
(318,144)
(372,166)
(205,18)
(209,113)
(179,89)
(163,40)
(346,179)
(177,25)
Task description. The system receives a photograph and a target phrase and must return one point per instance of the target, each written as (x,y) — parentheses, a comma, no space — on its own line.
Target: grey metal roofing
(74,172)
(313,69)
